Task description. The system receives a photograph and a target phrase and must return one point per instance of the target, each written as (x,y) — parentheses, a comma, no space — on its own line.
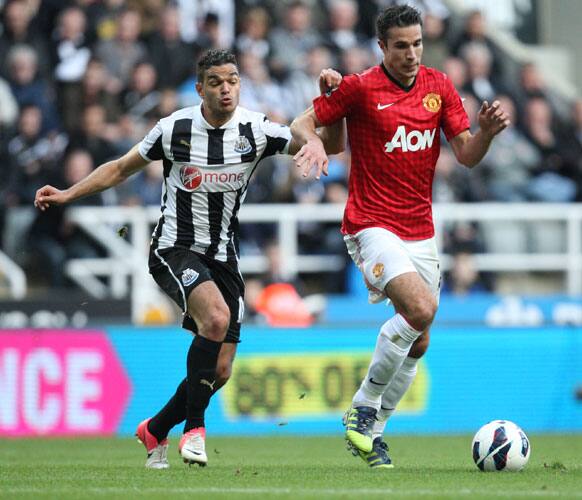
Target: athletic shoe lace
(382,450)
(364,420)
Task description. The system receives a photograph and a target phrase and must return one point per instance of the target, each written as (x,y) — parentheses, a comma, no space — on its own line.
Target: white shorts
(381,256)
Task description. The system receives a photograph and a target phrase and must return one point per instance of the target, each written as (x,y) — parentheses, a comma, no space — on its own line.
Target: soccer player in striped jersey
(394,112)
(209,153)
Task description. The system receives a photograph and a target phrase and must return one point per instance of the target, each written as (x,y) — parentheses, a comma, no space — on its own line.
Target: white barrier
(125,268)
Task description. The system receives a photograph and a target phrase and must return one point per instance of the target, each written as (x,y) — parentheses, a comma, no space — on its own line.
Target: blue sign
(302,380)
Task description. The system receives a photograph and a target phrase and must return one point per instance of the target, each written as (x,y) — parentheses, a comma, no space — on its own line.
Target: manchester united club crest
(191,177)
(432,102)
(242,145)
(378,270)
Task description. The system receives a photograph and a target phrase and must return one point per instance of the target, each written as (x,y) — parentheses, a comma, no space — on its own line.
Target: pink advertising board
(64,382)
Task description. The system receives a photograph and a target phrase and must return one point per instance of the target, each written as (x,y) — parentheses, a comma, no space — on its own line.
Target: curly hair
(399,16)
(214,57)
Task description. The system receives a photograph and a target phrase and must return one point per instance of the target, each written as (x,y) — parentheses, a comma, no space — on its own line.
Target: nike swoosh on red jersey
(384,106)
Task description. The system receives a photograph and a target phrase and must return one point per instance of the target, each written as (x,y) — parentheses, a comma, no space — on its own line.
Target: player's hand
(312,154)
(329,79)
(492,119)
(47,196)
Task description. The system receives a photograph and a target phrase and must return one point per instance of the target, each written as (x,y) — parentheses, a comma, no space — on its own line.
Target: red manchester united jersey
(394,136)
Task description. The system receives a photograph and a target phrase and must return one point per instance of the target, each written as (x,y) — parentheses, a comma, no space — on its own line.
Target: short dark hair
(214,57)
(399,16)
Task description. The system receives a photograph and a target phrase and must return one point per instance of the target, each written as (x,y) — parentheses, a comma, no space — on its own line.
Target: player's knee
(419,347)
(215,324)
(422,313)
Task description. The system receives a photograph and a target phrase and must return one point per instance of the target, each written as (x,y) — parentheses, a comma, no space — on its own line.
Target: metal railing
(125,267)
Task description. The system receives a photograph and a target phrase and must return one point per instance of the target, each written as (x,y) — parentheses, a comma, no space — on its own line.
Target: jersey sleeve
(278,138)
(454,117)
(339,103)
(150,148)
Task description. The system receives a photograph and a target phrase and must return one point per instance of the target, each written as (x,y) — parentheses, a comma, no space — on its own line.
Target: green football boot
(359,422)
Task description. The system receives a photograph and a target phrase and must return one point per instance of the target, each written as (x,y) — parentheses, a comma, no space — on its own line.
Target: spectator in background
(274,298)
(254,32)
(8,108)
(551,183)
(355,60)
(17,30)
(463,278)
(141,96)
(193,16)
(532,84)
(70,57)
(172,57)
(96,90)
(92,137)
(343,34)
(436,45)
(510,163)
(52,238)
(105,16)
(291,42)
(28,87)
(302,86)
(150,12)
(259,91)
(452,183)
(456,69)
(209,33)
(475,31)
(123,52)
(145,189)
(573,147)
(33,157)
(167,105)
(462,242)
(482,82)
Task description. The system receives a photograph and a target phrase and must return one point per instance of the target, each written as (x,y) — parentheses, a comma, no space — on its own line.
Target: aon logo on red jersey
(411,141)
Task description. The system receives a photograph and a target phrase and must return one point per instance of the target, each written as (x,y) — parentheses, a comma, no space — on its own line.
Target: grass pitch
(282,467)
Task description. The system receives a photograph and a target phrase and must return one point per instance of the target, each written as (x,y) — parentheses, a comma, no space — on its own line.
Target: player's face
(402,52)
(220,90)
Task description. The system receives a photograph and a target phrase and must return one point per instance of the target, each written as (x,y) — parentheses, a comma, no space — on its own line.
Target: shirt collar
(201,122)
(396,82)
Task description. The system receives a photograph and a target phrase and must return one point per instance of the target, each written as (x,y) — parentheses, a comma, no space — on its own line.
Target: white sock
(394,393)
(394,341)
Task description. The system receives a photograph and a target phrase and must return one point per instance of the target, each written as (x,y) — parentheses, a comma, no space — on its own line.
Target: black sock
(170,415)
(201,365)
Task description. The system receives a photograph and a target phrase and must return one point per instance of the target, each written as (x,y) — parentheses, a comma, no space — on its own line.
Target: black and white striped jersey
(206,174)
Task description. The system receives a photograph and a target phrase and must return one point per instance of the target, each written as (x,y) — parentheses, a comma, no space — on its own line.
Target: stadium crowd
(81,81)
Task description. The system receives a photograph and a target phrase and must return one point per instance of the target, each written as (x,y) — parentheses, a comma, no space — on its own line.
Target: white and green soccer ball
(500,445)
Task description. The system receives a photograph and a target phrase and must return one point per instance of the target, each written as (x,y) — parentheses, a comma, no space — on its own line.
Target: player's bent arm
(103,177)
(332,136)
(470,149)
(312,152)
(304,129)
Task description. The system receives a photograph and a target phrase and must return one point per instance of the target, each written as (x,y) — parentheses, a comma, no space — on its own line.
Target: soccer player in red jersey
(394,113)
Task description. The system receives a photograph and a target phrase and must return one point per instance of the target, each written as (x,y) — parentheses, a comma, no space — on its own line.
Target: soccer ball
(500,446)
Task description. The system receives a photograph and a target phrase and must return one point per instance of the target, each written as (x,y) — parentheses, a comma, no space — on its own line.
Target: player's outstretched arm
(470,149)
(103,177)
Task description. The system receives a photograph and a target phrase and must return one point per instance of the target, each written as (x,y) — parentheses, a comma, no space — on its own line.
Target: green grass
(282,467)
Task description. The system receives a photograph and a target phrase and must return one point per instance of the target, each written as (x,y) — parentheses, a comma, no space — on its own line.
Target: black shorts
(178,271)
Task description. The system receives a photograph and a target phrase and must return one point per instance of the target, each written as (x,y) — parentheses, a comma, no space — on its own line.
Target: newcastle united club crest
(242,145)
